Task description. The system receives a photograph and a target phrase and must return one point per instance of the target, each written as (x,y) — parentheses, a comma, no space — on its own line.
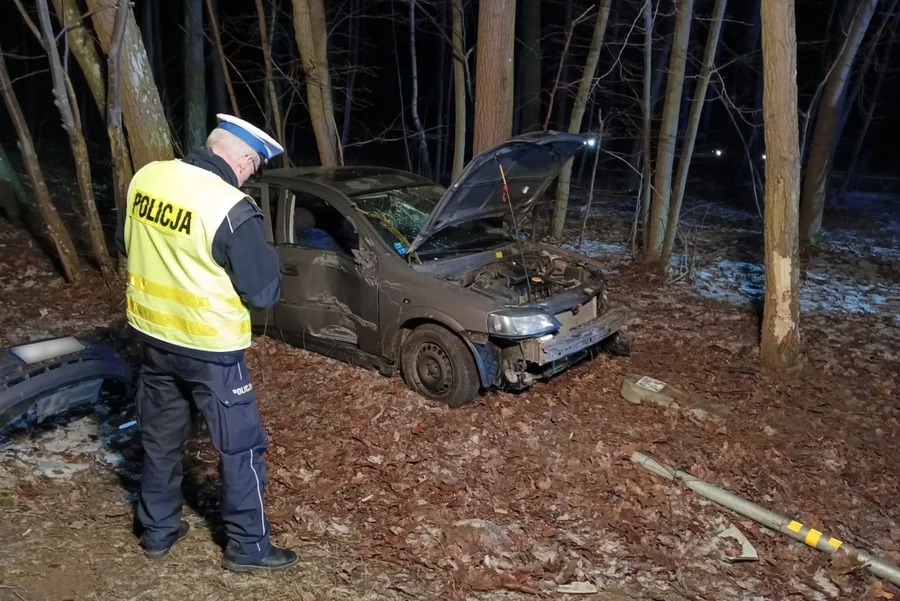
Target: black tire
(438,365)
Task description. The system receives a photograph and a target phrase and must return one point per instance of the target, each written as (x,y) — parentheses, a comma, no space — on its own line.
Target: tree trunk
(12,192)
(559,107)
(440,145)
(424,158)
(668,131)
(459,90)
(657,76)
(815,183)
(159,73)
(64,98)
(584,88)
(194,77)
(148,131)
(220,52)
(353,33)
(646,171)
(118,146)
(494,73)
(687,147)
(873,103)
(780,344)
(278,124)
(309,30)
(409,162)
(56,229)
(531,66)
(81,43)
(854,91)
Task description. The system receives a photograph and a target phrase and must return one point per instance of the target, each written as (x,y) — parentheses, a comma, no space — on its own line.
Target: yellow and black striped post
(769,519)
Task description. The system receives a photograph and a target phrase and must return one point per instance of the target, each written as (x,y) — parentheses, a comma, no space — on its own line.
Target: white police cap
(256,138)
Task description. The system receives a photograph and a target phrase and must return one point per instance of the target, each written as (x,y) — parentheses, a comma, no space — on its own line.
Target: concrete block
(641,390)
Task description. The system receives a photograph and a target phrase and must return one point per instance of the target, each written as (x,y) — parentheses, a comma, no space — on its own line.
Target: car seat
(308,235)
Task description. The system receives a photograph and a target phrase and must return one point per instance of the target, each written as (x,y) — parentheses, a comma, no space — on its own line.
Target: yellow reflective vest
(176,291)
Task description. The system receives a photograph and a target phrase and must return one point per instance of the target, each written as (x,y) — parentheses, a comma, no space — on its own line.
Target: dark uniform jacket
(240,247)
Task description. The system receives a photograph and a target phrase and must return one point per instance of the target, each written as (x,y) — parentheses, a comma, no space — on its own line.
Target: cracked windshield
(399,214)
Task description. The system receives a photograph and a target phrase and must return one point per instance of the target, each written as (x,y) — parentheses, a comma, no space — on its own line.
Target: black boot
(156,553)
(277,559)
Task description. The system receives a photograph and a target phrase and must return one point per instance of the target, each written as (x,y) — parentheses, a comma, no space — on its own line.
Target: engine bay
(515,281)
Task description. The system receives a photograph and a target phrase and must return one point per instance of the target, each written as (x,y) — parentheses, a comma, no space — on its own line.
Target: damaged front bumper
(518,364)
(553,347)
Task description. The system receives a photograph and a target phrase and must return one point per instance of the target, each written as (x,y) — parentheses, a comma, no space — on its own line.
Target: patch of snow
(740,283)
(595,248)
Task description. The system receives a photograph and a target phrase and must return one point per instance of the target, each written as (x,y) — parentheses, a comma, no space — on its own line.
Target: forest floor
(386,496)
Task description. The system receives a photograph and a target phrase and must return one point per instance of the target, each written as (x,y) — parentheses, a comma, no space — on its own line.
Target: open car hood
(529,163)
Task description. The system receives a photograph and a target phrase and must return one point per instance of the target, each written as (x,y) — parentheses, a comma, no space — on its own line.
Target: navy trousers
(225,397)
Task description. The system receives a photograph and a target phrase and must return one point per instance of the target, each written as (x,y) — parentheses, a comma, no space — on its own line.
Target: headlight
(520,323)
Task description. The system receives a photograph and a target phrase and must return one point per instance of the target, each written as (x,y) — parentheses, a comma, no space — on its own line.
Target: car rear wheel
(436,364)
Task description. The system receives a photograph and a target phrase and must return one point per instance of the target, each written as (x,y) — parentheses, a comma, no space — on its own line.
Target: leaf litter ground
(387,496)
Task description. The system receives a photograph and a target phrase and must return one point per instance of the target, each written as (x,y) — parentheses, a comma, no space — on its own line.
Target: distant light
(718,153)
(591,142)
(764,156)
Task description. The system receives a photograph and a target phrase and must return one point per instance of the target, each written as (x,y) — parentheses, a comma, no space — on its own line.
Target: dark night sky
(377,84)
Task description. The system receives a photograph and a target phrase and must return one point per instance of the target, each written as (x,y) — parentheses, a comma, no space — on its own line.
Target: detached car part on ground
(50,377)
(386,269)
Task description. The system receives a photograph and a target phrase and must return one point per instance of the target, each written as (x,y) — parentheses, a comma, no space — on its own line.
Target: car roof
(349,180)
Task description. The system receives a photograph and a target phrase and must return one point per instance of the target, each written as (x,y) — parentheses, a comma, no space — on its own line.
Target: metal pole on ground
(769,519)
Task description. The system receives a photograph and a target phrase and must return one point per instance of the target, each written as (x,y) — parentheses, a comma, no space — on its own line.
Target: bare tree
(873,103)
(668,132)
(459,90)
(81,43)
(311,35)
(220,52)
(647,112)
(424,159)
(12,192)
(56,229)
(148,130)
(118,146)
(274,101)
(194,77)
(584,87)
(353,27)
(531,65)
(494,77)
(687,147)
(657,74)
(64,98)
(815,183)
(780,344)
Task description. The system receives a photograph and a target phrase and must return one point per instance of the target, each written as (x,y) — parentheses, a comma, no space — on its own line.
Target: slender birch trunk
(584,88)
(459,87)
(56,229)
(693,123)
(64,98)
(815,183)
(668,132)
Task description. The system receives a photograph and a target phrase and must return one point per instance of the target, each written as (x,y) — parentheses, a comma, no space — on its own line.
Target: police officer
(198,260)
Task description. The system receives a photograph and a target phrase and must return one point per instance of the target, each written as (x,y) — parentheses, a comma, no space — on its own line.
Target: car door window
(317,225)
(266,201)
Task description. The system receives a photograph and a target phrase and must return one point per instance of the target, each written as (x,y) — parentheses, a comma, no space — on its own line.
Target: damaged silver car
(388,270)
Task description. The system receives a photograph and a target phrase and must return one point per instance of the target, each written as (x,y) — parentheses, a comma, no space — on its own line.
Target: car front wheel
(436,364)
